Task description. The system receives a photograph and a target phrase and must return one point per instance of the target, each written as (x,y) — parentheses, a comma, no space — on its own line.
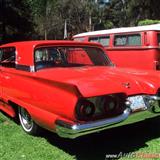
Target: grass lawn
(17,145)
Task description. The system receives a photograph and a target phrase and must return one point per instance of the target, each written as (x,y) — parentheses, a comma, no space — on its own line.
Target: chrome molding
(156,98)
(72,131)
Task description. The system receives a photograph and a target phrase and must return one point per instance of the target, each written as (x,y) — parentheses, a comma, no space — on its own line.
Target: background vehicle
(134,47)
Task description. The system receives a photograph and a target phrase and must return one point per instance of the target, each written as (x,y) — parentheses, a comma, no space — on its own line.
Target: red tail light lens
(85,109)
(100,107)
(111,104)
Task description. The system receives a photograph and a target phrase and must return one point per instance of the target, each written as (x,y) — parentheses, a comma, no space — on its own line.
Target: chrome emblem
(126,85)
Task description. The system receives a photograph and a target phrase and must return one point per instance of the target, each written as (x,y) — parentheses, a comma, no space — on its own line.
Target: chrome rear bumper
(67,130)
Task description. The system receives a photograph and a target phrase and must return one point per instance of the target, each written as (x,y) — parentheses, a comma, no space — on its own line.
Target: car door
(7,67)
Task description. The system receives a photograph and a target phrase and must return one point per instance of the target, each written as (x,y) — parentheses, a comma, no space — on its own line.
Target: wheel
(27,122)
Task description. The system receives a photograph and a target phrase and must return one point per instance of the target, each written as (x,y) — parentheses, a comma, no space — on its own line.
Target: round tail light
(85,109)
(111,103)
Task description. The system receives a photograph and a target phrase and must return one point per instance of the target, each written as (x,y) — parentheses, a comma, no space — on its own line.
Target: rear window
(127,40)
(68,56)
(104,41)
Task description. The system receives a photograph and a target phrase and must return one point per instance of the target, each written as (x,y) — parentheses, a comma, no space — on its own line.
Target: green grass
(138,138)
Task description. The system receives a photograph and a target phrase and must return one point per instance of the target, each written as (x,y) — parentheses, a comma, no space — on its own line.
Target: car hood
(95,81)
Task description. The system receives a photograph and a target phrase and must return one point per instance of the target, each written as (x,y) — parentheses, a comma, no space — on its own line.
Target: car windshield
(47,57)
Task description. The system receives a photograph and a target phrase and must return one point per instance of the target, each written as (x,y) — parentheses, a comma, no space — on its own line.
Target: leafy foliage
(147,22)
(141,10)
(44,19)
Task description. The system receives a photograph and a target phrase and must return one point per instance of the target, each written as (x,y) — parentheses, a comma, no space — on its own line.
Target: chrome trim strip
(72,131)
(156,98)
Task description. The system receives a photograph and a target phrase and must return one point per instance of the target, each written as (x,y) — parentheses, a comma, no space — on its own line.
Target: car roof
(25,49)
(154,27)
(37,43)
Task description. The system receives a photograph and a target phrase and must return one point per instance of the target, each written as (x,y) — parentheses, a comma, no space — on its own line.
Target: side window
(8,57)
(0,54)
(94,39)
(120,40)
(134,40)
(104,41)
(127,40)
(159,39)
(80,39)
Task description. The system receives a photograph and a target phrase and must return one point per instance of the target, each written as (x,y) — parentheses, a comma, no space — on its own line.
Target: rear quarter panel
(43,99)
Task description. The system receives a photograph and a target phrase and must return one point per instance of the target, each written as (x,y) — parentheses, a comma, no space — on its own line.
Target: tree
(16,21)
(116,13)
(45,19)
(143,9)
(50,16)
(120,13)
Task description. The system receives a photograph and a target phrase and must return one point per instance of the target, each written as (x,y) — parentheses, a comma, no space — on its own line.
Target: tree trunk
(45,34)
(90,22)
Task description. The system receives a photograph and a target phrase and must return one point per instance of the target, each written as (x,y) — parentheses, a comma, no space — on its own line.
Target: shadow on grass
(122,139)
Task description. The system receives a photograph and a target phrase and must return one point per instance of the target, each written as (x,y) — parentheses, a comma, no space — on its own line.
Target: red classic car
(72,88)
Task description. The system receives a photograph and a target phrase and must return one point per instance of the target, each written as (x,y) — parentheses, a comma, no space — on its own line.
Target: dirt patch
(5,122)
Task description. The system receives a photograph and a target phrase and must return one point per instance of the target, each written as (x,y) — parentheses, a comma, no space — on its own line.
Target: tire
(27,123)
